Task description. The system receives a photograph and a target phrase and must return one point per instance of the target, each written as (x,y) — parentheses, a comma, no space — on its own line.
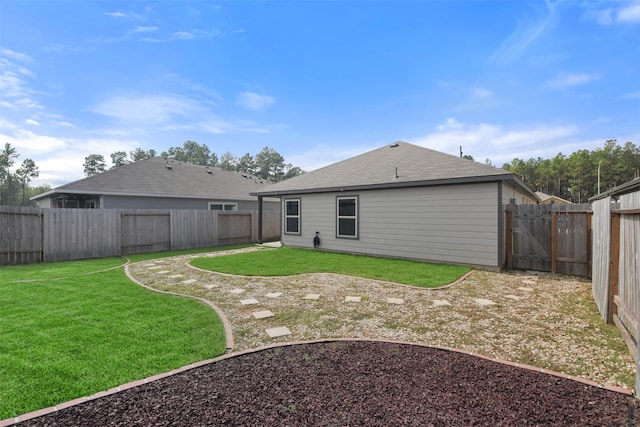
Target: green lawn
(288,261)
(71,331)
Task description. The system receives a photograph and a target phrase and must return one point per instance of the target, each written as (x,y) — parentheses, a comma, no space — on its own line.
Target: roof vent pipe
(396,174)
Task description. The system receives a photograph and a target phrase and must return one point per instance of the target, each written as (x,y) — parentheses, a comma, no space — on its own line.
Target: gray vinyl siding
(453,224)
(128,202)
(509,192)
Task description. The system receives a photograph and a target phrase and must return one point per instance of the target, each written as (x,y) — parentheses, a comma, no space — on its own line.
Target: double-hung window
(347,217)
(292,216)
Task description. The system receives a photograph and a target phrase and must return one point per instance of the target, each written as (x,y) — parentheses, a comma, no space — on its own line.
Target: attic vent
(168,166)
(394,145)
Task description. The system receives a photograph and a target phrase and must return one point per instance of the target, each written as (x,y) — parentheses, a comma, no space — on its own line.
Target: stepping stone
(440,302)
(515,297)
(483,302)
(273,294)
(352,299)
(278,332)
(164,272)
(176,276)
(155,267)
(525,289)
(395,301)
(249,301)
(530,282)
(312,296)
(262,314)
(152,264)
(215,286)
(189,281)
(236,291)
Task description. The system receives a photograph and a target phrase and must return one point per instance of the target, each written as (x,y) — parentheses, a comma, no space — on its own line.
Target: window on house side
(347,217)
(215,206)
(292,216)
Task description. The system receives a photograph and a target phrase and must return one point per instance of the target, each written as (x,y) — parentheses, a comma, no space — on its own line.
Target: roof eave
(115,193)
(391,185)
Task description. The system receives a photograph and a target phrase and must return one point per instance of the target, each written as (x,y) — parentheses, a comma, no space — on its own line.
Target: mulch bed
(355,383)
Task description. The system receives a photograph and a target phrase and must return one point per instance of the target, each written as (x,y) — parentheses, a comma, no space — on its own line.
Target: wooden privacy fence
(555,238)
(29,235)
(616,278)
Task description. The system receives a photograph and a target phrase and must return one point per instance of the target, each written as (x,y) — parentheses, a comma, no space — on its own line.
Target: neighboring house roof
(545,198)
(397,165)
(627,187)
(160,177)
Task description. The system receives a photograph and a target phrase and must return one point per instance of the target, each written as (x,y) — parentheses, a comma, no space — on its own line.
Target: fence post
(508,236)
(554,241)
(614,262)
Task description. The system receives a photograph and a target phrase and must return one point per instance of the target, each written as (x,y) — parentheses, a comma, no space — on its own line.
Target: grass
(289,261)
(71,330)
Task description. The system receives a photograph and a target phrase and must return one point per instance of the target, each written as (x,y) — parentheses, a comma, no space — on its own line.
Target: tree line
(15,188)
(268,164)
(577,177)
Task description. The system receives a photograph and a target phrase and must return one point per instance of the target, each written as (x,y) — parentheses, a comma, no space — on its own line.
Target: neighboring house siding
(509,192)
(127,202)
(453,224)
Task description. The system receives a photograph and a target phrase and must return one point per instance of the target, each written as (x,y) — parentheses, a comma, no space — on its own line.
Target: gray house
(160,183)
(402,201)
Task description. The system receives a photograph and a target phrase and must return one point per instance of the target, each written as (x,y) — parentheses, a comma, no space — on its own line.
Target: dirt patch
(355,383)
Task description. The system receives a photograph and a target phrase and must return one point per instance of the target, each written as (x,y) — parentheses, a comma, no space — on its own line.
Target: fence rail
(30,235)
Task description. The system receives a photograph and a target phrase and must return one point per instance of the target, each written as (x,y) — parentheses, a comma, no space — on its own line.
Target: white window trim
(298,217)
(356,217)
(224,204)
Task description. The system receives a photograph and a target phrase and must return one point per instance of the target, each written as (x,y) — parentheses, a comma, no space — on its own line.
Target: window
(292,216)
(347,217)
(219,206)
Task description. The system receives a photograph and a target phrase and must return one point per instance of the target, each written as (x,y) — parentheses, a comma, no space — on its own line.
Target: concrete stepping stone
(395,301)
(176,276)
(352,299)
(216,286)
(278,332)
(164,272)
(237,291)
(155,267)
(530,282)
(515,297)
(151,265)
(262,314)
(273,294)
(312,296)
(483,302)
(524,289)
(440,302)
(189,281)
(249,301)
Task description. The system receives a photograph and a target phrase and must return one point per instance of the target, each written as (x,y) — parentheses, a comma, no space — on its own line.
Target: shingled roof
(397,165)
(160,177)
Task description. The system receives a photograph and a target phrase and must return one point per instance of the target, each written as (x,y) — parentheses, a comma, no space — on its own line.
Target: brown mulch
(355,383)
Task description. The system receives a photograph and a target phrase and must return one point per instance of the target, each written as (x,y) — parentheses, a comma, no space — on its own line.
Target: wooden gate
(555,238)
(145,232)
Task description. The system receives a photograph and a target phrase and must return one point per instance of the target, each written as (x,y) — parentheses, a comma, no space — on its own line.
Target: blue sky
(318,81)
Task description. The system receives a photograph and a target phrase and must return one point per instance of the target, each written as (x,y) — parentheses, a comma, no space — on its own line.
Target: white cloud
(451,123)
(116,14)
(32,122)
(145,109)
(254,101)
(527,31)
(631,95)
(630,14)
(16,56)
(501,144)
(183,35)
(140,29)
(570,80)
